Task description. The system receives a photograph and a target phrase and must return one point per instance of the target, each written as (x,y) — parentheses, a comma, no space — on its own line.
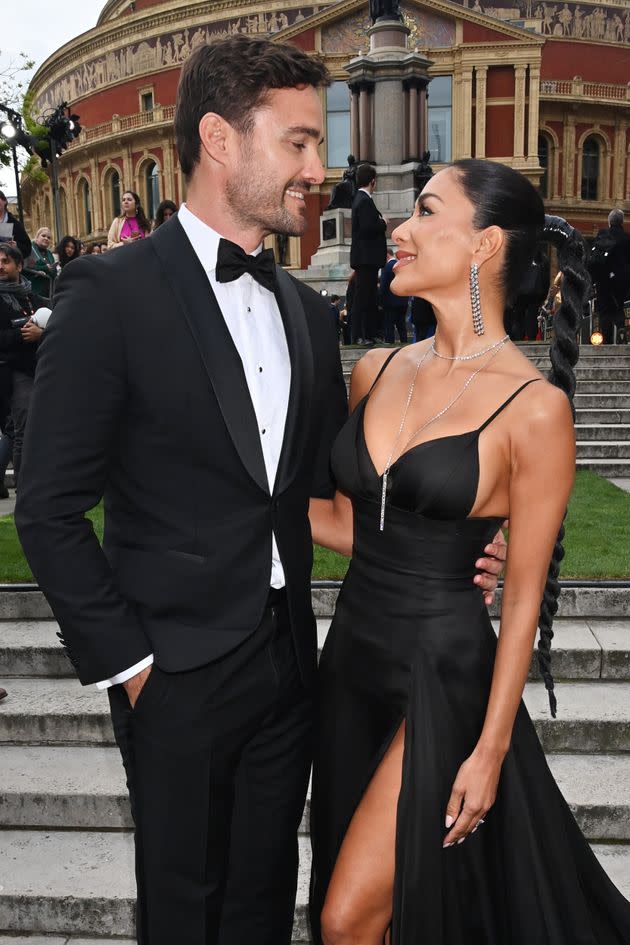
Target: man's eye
(299,145)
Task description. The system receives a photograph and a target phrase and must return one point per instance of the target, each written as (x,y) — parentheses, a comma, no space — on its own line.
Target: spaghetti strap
(507,403)
(383,366)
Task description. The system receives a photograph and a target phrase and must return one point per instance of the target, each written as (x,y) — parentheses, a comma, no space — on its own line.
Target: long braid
(564,353)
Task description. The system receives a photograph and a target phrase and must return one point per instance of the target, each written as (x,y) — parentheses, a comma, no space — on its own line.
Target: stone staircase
(602,403)
(66,849)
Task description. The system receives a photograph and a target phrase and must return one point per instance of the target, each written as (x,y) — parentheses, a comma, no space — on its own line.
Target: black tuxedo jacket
(369,244)
(140,397)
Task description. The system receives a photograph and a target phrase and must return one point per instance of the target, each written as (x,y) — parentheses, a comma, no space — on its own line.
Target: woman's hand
(473,794)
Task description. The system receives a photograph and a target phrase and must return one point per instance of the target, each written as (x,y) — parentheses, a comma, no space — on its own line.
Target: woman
(422,737)
(69,248)
(131,225)
(41,267)
(94,249)
(163,213)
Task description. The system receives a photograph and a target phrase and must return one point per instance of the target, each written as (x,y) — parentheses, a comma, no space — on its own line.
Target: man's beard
(256,202)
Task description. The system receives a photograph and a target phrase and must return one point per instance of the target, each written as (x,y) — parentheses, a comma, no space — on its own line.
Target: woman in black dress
(434,818)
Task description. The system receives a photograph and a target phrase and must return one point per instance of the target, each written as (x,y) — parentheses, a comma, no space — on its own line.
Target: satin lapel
(302,373)
(220,358)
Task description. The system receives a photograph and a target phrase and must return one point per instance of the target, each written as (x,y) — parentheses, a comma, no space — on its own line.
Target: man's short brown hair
(232,78)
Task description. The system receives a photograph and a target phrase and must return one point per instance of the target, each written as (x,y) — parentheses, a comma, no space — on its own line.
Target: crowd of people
(28,270)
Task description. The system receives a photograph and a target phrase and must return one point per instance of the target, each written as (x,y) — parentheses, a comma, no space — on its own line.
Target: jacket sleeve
(78,398)
(21,237)
(113,237)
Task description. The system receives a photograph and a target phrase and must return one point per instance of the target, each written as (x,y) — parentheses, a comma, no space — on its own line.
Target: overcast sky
(38,31)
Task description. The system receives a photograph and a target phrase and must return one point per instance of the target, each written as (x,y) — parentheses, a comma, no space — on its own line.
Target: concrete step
(587,417)
(582,649)
(597,789)
(82,884)
(62,940)
(31,649)
(609,468)
(597,600)
(602,386)
(593,717)
(93,894)
(601,401)
(84,789)
(54,712)
(603,449)
(602,431)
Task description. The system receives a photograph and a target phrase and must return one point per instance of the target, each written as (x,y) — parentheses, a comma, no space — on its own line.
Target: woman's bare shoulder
(367,368)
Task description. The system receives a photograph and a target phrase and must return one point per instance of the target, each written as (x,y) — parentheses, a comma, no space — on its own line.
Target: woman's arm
(113,237)
(331,519)
(541,479)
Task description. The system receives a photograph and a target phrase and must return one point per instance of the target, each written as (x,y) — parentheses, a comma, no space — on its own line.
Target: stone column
(533,123)
(414,136)
(466,112)
(519,112)
(620,158)
(97,198)
(354,121)
(423,120)
(365,122)
(481,75)
(569,155)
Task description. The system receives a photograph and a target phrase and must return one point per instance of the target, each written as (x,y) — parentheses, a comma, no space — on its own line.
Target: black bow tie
(232,262)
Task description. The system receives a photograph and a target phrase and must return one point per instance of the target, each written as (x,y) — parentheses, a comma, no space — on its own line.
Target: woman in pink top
(132,223)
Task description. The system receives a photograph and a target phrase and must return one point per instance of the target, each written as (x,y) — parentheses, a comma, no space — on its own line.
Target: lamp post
(10,131)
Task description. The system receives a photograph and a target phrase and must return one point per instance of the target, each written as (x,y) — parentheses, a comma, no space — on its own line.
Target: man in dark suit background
(368,253)
(609,265)
(198,388)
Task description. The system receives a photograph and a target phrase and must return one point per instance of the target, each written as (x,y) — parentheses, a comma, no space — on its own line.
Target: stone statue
(343,192)
(385,10)
(422,174)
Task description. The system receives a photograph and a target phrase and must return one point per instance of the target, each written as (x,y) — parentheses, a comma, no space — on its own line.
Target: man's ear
(216,136)
(488,243)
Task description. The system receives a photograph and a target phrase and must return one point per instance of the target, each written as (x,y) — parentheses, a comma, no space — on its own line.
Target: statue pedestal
(335,229)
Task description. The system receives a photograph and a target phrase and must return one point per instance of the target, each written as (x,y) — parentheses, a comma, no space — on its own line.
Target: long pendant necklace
(493,348)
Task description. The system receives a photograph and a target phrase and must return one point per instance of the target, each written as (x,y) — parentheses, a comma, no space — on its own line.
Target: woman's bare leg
(358,906)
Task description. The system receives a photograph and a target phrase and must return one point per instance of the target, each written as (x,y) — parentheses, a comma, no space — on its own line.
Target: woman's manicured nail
(461,840)
(449,821)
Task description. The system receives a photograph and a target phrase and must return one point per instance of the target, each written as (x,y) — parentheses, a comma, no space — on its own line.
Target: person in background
(19,340)
(394,306)
(423,318)
(347,326)
(94,249)
(335,312)
(40,266)
(609,267)
(368,253)
(132,223)
(103,248)
(164,212)
(20,236)
(522,316)
(69,248)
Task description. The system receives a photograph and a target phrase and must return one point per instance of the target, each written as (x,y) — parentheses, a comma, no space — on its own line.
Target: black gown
(412,640)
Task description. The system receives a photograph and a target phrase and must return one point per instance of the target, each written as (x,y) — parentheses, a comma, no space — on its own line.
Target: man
(200,390)
(19,338)
(609,265)
(394,306)
(367,255)
(19,238)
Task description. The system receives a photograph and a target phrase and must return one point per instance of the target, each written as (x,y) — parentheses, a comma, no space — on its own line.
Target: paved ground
(6,508)
(621,483)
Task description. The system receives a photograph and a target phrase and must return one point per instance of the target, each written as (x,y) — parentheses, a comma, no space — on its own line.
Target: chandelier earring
(475,300)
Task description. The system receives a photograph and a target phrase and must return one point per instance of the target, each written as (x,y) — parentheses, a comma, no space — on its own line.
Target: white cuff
(126,674)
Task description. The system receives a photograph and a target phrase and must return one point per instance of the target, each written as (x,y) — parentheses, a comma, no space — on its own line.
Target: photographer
(19,338)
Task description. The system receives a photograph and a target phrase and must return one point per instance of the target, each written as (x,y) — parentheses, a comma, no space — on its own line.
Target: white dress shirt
(252,316)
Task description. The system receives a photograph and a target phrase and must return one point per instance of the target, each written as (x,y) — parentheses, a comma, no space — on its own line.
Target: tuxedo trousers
(217,762)
(365,304)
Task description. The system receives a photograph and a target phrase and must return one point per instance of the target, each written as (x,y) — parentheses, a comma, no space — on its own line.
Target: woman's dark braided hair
(505,198)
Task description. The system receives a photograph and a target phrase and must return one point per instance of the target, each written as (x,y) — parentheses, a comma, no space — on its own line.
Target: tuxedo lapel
(220,358)
(300,394)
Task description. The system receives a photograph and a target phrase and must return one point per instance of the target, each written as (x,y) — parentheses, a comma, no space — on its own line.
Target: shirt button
(259,369)
(248,308)
(263,431)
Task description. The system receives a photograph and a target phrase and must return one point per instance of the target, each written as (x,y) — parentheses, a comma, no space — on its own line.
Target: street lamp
(13,133)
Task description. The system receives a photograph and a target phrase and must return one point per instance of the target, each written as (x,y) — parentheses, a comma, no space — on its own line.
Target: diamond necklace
(495,350)
(468,357)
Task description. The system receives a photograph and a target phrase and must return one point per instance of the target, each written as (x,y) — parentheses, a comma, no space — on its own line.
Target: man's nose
(315,170)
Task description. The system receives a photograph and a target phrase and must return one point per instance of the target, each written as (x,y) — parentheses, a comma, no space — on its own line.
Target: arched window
(85,199)
(544,153)
(590,168)
(152,189)
(337,124)
(114,192)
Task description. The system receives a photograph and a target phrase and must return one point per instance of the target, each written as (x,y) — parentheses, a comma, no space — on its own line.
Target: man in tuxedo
(198,388)
(368,253)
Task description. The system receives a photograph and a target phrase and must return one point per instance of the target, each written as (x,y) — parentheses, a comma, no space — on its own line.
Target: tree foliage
(13,87)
